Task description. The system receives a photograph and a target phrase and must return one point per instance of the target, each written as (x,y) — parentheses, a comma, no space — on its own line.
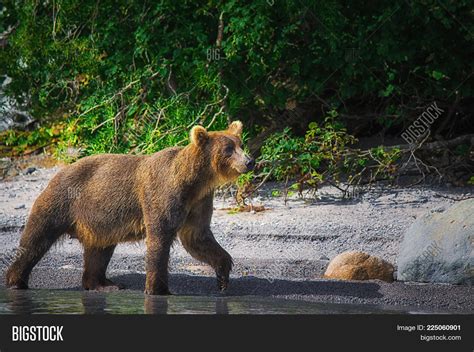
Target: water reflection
(134,302)
(18,302)
(156,304)
(94,304)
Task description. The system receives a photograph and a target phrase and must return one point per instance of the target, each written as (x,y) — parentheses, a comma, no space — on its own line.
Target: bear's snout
(250,163)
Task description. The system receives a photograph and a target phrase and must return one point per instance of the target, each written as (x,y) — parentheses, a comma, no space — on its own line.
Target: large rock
(7,168)
(353,265)
(438,246)
(12,115)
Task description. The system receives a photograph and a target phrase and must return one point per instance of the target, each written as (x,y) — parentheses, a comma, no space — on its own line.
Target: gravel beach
(279,253)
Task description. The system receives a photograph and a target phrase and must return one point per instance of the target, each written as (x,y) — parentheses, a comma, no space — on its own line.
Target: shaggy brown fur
(106,199)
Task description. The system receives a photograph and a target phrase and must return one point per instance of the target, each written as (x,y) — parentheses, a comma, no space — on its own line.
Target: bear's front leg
(202,245)
(156,264)
(223,269)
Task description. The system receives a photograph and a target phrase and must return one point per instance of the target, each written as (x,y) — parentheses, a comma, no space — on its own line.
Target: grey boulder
(438,247)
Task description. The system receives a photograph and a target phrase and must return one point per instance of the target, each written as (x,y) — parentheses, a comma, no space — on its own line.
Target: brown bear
(106,199)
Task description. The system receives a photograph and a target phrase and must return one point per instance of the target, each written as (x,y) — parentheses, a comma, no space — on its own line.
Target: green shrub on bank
(323,156)
(133,75)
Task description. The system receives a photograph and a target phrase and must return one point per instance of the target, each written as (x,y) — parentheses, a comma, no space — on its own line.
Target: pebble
(30,170)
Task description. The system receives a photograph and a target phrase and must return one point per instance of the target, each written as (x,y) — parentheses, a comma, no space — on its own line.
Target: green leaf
(437,75)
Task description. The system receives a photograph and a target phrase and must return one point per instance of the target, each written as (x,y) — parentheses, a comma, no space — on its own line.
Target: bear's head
(224,148)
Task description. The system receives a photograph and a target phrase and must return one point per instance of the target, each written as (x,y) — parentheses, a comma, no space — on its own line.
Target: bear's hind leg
(96,260)
(36,240)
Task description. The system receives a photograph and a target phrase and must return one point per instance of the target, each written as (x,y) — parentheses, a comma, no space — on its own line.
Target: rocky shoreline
(280,252)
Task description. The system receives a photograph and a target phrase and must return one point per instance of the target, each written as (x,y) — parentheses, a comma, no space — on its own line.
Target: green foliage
(323,155)
(133,76)
(126,76)
(276,193)
(306,159)
(20,142)
(245,179)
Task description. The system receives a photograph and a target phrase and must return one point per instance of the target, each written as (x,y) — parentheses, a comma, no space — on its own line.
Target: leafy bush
(110,68)
(134,76)
(322,156)
(305,158)
(25,142)
(125,76)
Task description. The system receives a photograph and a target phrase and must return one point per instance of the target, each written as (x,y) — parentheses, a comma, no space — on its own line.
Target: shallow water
(133,302)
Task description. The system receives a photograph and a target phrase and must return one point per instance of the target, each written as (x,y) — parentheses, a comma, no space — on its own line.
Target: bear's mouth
(241,169)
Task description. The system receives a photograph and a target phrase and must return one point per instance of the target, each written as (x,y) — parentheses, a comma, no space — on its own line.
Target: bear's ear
(236,128)
(198,135)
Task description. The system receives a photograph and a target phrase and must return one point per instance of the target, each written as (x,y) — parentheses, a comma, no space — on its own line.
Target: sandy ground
(278,253)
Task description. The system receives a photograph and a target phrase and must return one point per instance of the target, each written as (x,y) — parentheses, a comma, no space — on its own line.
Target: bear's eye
(229,150)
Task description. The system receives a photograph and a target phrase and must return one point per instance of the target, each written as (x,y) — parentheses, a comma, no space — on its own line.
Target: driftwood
(434,159)
(436,145)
